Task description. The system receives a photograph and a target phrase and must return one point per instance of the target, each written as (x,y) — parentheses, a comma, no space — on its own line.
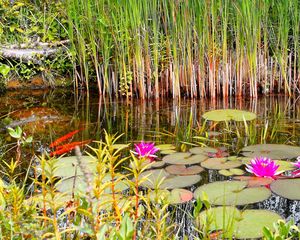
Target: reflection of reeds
(191,48)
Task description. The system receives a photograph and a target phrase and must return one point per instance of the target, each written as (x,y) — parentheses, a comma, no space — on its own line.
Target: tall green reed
(150,49)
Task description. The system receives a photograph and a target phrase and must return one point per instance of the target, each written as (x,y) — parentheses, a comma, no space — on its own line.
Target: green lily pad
(225,172)
(287,188)
(236,171)
(176,158)
(220,163)
(168,151)
(159,178)
(273,151)
(236,224)
(228,115)
(184,158)
(176,196)
(284,166)
(163,147)
(67,185)
(252,223)
(202,150)
(68,166)
(183,170)
(231,172)
(232,193)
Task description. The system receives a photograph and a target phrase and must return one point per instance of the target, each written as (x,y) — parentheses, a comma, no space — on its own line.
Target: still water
(49,114)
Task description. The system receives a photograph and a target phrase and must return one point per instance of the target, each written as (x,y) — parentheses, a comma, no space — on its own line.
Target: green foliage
(283,231)
(24,21)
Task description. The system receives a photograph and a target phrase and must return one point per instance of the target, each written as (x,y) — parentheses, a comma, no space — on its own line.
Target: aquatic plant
(263,167)
(145,150)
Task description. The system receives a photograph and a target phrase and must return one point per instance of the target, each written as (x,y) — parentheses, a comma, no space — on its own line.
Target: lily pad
(79,185)
(176,196)
(183,170)
(225,172)
(220,163)
(163,147)
(202,150)
(228,115)
(231,172)
(159,178)
(273,151)
(252,223)
(254,181)
(184,158)
(236,171)
(232,193)
(237,224)
(168,151)
(176,158)
(287,188)
(284,166)
(68,166)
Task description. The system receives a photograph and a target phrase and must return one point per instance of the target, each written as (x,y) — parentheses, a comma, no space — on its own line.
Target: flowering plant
(263,167)
(145,150)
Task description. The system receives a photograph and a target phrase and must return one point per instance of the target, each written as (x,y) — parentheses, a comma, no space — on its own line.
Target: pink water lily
(145,150)
(263,167)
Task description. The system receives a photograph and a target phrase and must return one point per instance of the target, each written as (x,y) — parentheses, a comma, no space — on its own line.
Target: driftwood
(32,52)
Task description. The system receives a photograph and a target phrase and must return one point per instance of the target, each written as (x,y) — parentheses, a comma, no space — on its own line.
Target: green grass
(186,48)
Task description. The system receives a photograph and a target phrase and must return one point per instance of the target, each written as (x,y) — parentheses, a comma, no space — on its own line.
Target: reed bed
(163,48)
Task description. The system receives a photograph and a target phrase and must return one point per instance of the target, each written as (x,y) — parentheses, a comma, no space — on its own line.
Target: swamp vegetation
(161,48)
(211,154)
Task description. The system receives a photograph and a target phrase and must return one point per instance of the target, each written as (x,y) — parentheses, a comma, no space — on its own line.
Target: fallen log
(33,52)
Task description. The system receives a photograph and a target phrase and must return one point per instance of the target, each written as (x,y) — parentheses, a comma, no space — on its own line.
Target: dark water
(59,112)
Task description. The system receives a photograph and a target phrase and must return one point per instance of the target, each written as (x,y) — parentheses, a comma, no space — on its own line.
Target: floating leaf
(169,151)
(159,178)
(273,151)
(230,172)
(287,188)
(184,158)
(228,115)
(176,196)
(254,181)
(237,224)
(68,166)
(232,193)
(79,185)
(284,166)
(176,158)
(225,172)
(202,150)
(236,171)
(162,147)
(220,163)
(252,223)
(183,170)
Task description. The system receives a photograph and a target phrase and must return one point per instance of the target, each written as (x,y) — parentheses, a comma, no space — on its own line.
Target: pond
(49,114)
